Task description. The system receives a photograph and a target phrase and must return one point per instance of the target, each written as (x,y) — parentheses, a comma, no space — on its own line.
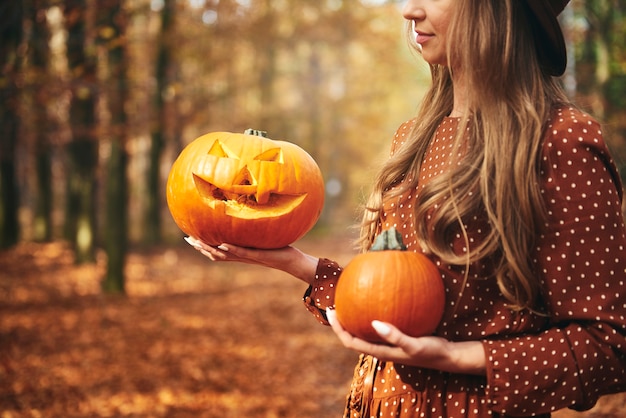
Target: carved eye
(220,150)
(274,155)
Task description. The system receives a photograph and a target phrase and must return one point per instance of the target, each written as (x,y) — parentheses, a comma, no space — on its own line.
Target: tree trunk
(81,197)
(268,120)
(82,151)
(11,33)
(112,28)
(154,184)
(116,219)
(43,149)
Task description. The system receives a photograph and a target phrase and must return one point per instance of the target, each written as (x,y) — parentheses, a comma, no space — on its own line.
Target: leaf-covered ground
(191,339)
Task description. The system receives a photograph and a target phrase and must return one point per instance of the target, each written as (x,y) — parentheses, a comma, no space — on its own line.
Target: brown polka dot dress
(535,364)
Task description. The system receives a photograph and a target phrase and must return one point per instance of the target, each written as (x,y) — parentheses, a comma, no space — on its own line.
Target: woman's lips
(421,38)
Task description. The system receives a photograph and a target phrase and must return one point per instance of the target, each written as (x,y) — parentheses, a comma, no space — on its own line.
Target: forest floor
(190,339)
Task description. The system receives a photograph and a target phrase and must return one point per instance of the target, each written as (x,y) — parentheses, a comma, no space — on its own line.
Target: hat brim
(549,38)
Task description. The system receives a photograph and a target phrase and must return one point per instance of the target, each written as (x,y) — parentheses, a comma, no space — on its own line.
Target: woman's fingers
(212,253)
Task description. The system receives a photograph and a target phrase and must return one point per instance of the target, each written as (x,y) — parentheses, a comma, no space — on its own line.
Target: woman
(511,191)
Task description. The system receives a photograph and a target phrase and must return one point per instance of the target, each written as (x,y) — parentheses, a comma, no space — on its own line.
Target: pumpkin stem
(389,239)
(255,132)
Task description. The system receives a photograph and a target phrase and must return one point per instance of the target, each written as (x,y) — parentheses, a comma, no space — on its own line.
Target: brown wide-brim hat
(548,35)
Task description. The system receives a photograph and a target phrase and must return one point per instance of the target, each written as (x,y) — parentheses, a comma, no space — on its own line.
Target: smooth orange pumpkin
(245,189)
(402,288)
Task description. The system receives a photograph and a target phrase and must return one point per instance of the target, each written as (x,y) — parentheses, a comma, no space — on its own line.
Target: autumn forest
(103,309)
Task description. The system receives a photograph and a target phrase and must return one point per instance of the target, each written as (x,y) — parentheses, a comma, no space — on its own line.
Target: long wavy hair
(509,102)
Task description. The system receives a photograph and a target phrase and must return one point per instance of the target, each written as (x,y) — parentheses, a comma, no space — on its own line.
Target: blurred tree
(266,62)
(163,70)
(111,35)
(82,150)
(601,67)
(11,33)
(39,60)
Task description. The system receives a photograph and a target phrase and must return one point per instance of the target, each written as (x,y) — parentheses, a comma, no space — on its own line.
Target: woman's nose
(413,10)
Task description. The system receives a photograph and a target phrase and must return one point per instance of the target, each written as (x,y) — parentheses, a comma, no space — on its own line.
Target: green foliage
(615,91)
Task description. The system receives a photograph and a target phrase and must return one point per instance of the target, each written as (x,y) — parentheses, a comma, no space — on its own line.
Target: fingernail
(331,315)
(381,328)
(193,243)
(222,247)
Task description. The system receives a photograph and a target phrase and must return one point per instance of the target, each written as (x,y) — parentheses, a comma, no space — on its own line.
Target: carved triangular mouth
(243,197)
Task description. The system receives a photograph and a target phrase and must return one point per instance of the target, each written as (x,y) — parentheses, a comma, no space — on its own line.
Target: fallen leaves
(191,339)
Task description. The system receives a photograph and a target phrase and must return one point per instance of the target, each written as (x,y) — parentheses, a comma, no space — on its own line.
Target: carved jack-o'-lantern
(245,189)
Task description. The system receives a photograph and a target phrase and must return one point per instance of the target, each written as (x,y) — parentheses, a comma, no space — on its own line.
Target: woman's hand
(428,352)
(287,259)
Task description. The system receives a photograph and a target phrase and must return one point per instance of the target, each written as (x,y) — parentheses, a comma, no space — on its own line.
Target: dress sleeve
(581,259)
(321,294)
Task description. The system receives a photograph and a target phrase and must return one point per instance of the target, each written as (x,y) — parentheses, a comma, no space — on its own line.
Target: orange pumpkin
(245,189)
(402,288)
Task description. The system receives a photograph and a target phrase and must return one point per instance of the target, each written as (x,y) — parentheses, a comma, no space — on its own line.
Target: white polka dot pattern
(581,258)
(536,364)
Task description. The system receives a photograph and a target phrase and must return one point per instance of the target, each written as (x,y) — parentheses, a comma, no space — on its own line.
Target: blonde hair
(510,99)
